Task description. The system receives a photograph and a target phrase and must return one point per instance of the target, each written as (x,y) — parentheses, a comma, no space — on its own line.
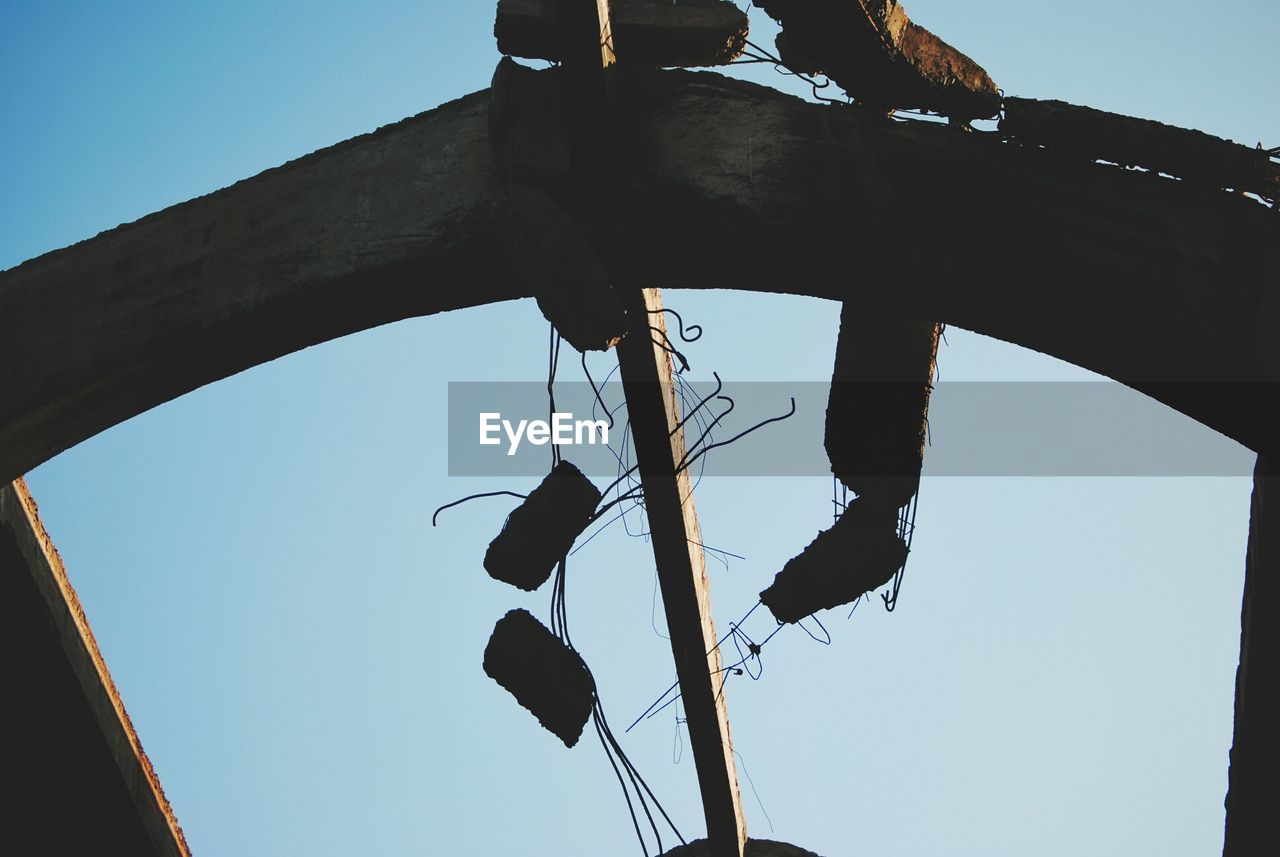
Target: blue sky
(300,650)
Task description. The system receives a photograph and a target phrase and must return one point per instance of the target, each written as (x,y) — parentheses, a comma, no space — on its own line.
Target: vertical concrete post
(1253,790)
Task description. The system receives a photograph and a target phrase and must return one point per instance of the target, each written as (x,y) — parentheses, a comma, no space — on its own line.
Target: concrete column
(1252,793)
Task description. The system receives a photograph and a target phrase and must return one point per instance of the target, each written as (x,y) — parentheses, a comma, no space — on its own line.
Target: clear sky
(300,650)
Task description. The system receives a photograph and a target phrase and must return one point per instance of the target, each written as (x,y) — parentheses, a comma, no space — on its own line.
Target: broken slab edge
(646,32)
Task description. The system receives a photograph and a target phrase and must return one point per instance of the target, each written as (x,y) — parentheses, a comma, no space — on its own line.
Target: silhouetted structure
(1167,286)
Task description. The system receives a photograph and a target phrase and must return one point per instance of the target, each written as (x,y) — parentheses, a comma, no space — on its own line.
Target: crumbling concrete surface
(874,52)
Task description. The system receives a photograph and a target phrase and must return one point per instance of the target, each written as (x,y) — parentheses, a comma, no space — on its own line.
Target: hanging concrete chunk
(542,673)
(547,254)
(861,552)
(653,33)
(878,410)
(1182,152)
(873,51)
(540,531)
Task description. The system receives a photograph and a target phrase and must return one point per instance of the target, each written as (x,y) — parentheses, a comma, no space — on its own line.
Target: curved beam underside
(1150,281)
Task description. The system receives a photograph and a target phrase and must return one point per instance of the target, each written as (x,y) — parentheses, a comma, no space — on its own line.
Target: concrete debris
(540,531)
(874,52)
(861,552)
(542,673)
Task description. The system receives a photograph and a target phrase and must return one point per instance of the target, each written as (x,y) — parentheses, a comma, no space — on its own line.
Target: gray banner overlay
(975,429)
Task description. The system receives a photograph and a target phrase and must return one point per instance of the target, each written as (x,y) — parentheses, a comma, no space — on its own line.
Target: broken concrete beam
(653,33)
(694,33)
(542,673)
(861,552)
(878,410)
(539,532)
(551,259)
(874,52)
(1098,135)
(99,332)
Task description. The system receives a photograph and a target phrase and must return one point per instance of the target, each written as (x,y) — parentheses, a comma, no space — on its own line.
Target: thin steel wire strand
(470,497)
(613,749)
(691,336)
(703,451)
(676,683)
(666,345)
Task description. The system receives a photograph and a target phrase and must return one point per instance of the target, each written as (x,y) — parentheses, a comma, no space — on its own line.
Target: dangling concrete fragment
(861,552)
(540,531)
(878,410)
(542,673)
(550,257)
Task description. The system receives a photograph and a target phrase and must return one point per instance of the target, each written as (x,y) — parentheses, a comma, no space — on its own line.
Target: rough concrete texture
(539,532)
(878,409)
(861,552)
(550,258)
(755,848)
(542,673)
(874,52)
(654,33)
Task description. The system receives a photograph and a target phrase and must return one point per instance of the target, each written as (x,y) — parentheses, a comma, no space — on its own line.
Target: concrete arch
(1158,284)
